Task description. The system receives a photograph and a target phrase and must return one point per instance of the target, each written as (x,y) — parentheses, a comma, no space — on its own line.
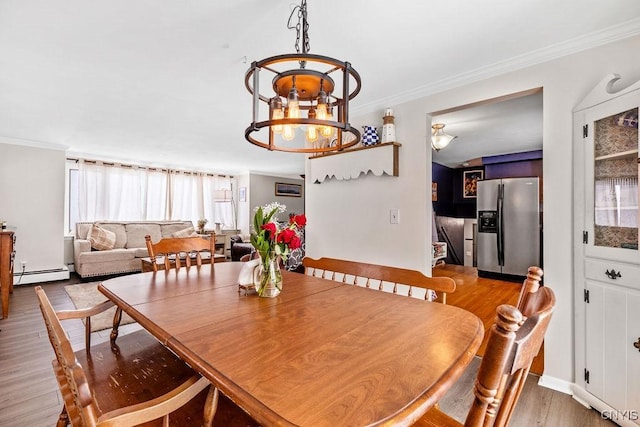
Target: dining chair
(86,313)
(514,340)
(176,250)
(136,381)
(376,276)
(249,257)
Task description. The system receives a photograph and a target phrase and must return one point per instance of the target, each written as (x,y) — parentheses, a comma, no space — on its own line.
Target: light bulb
(277,113)
(293,104)
(312,134)
(321,111)
(327,131)
(288,133)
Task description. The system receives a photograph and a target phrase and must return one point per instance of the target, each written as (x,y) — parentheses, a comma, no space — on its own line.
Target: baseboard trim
(556,384)
(29,277)
(622,418)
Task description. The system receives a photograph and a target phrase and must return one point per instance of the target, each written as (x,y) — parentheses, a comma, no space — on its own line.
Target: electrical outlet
(394,216)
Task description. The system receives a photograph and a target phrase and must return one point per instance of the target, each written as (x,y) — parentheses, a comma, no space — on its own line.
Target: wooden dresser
(7,255)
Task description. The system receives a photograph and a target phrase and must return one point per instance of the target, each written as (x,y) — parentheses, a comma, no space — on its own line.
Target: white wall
(263,191)
(350,219)
(243,209)
(32,201)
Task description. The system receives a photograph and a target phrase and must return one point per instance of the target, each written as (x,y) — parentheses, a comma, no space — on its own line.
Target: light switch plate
(394,216)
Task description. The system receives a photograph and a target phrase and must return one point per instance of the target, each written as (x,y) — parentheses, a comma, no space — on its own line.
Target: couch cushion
(186,232)
(140,252)
(137,232)
(120,232)
(105,256)
(170,228)
(101,239)
(83,229)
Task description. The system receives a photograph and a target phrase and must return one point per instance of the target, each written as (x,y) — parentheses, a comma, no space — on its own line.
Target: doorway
(494,138)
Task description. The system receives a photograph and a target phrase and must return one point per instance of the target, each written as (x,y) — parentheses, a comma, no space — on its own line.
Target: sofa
(240,246)
(113,247)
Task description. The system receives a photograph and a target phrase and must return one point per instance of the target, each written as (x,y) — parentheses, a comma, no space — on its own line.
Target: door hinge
(586,296)
(585,237)
(585,131)
(586,376)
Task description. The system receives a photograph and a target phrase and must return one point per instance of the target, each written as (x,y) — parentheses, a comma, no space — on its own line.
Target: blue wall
(450,202)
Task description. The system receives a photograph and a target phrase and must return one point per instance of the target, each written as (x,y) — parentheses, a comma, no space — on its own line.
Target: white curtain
(219,203)
(185,191)
(156,199)
(114,192)
(107,192)
(616,202)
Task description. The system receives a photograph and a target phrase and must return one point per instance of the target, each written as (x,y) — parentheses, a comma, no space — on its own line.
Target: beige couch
(129,245)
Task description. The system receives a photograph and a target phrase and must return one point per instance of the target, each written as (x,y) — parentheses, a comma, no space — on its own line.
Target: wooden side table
(147,266)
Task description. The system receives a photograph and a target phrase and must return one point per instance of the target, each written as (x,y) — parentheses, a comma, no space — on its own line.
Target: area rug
(85,295)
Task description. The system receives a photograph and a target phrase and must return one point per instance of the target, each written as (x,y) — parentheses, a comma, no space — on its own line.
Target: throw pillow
(101,239)
(187,232)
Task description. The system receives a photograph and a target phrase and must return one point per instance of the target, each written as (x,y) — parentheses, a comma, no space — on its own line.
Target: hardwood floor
(29,394)
(538,405)
(481,297)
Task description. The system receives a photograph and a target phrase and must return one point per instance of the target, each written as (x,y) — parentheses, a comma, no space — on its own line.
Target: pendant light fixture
(440,139)
(311,97)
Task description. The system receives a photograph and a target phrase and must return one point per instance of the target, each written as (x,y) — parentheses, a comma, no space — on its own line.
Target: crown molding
(31,143)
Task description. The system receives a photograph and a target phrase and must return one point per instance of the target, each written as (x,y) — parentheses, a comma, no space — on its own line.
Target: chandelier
(310,96)
(440,139)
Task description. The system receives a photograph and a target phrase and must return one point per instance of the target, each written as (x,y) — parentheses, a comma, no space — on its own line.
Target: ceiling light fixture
(303,82)
(440,139)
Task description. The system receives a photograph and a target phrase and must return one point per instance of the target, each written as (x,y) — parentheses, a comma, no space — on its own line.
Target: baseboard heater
(28,277)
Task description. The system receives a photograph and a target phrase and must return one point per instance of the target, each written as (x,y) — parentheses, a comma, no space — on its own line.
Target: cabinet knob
(613,275)
(637,344)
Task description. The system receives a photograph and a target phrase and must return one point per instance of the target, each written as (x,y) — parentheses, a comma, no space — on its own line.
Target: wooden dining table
(322,353)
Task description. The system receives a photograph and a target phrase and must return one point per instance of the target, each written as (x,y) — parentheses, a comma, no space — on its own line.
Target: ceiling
(161,82)
(495,127)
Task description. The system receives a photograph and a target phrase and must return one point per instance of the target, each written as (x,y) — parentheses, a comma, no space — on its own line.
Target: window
(101,191)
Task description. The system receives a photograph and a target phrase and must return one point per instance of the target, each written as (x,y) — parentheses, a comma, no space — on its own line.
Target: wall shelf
(350,164)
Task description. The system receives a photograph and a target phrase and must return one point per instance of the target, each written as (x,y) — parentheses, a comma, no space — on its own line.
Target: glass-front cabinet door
(611,154)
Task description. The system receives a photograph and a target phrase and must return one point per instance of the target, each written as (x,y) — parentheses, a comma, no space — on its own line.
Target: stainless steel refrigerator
(509,231)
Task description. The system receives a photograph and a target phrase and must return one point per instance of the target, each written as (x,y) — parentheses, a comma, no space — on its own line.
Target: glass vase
(269,283)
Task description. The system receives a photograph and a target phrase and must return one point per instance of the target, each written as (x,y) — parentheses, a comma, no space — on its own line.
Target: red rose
(286,235)
(270,227)
(300,220)
(295,243)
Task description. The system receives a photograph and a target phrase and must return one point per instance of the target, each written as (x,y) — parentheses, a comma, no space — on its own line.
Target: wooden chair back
(375,276)
(178,250)
(79,385)
(249,257)
(514,340)
(529,301)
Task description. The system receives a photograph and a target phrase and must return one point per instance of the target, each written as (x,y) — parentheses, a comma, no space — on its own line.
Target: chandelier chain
(298,38)
(302,26)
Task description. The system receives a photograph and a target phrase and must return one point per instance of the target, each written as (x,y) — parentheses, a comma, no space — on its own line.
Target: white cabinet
(607,259)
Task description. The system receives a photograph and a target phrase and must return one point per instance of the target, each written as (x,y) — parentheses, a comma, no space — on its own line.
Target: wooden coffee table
(147,266)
